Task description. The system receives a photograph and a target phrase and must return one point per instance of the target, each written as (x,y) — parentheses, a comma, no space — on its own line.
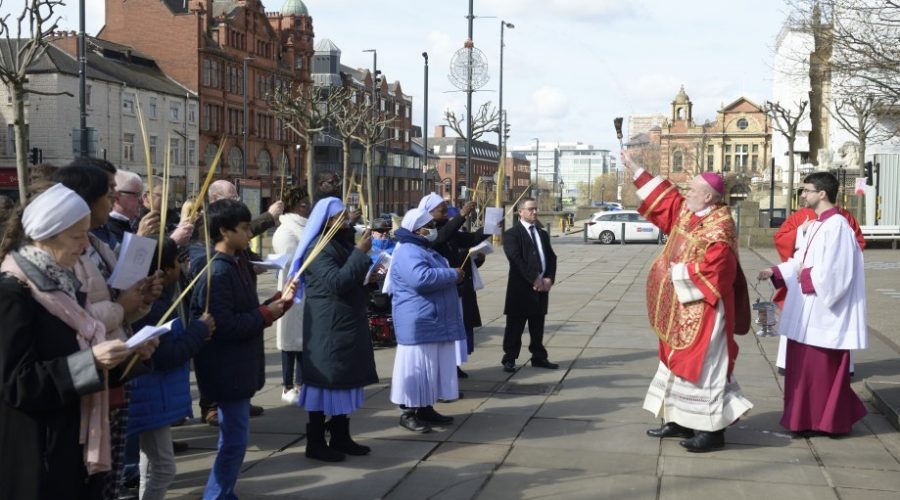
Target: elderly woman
(427,321)
(338,360)
(54,357)
(95,182)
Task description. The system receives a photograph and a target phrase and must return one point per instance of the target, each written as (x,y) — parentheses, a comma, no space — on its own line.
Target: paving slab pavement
(576,432)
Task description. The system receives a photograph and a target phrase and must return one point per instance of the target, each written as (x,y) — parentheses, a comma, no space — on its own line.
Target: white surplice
(834,316)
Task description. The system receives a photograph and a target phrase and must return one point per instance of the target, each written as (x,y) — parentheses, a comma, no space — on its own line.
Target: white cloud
(550,103)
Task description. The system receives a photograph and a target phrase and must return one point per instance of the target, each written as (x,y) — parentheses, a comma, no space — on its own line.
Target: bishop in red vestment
(697,300)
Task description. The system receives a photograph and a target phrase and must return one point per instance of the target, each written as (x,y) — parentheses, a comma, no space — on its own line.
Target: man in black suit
(532,271)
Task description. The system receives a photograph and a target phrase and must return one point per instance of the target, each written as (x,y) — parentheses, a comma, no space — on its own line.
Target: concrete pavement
(577,432)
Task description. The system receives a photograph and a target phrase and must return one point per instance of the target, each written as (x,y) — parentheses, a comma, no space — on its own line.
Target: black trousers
(512,337)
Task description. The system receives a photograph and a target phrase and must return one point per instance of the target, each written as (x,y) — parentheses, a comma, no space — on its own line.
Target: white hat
(430,202)
(52,212)
(415,218)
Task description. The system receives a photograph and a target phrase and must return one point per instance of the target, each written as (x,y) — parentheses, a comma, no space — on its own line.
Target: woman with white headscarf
(55,360)
(338,360)
(427,323)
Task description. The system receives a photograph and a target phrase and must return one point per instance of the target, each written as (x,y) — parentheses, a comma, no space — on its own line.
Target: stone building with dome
(230,53)
(737,144)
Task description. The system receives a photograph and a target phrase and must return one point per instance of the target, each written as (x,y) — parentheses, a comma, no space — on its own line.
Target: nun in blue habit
(338,361)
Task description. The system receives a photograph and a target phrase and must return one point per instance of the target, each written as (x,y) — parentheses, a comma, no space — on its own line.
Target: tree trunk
(345,179)
(861,159)
(17,94)
(308,161)
(370,175)
(791,195)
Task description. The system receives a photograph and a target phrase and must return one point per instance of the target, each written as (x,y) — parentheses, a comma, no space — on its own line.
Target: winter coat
(163,396)
(424,297)
(289,329)
(337,346)
(454,245)
(43,374)
(231,366)
(524,268)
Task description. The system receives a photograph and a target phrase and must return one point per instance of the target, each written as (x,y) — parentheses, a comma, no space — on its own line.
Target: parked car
(606,227)
(608,205)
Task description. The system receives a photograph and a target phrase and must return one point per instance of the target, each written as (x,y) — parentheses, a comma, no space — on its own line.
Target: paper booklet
(133,264)
(148,333)
(384,259)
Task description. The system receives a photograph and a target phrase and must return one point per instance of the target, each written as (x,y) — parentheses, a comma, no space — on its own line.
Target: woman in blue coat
(427,322)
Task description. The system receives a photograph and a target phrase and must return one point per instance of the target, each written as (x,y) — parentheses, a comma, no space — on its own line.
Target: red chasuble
(708,247)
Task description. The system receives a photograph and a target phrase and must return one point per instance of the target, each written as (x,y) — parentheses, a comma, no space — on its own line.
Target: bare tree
(370,134)
(37,20)
(786,121)
(487,119)
(306,110)
(348,119)
(859,116)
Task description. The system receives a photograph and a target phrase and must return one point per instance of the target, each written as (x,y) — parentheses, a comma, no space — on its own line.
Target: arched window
(235,161)
(677,161)
(263,163)
(679,114)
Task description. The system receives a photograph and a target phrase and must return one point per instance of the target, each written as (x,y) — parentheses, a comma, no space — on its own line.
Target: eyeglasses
(130,193)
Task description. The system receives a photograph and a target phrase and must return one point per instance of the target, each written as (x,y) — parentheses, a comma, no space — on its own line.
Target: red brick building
(451,165)
(518,176)
(231,52)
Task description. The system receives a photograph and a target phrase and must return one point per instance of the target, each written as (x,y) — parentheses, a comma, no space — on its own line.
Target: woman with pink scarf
(55,361)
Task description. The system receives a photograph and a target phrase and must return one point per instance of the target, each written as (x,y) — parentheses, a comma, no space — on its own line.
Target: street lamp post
(590,192)
(370,184)
(501,128)
(536,192)
(425,129)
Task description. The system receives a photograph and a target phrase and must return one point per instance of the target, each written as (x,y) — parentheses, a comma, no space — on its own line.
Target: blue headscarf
(323,210)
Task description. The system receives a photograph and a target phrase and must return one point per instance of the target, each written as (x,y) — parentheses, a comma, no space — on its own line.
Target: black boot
(316,448)
(429,415)
(339,426)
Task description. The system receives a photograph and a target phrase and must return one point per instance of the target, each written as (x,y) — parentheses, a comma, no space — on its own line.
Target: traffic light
(33,156)
(869,177)
(505,130)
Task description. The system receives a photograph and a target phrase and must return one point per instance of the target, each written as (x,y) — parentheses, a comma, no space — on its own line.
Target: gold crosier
(677,324)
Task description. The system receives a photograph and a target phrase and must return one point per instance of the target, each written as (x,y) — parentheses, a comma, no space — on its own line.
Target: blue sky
(570,66)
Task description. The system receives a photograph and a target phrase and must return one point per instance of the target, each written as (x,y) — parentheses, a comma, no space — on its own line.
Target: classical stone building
(117,76)
(736,144)
(231,53)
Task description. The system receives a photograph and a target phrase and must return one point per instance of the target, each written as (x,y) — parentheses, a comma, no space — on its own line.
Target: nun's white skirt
(424,373)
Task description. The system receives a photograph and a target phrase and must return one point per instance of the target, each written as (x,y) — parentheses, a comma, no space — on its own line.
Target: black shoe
(703,442)
(430,416)
(460,373)
(180,446)
(543,363)
(509,366)
(256,411)
(410,422)
(671,430)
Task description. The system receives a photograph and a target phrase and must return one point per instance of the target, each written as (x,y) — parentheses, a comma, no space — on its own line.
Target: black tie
(533,235)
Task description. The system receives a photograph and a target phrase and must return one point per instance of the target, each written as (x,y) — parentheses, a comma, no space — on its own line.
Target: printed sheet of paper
(484,247)
(135,257)
(493,218)
(275,261)
(148,333)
